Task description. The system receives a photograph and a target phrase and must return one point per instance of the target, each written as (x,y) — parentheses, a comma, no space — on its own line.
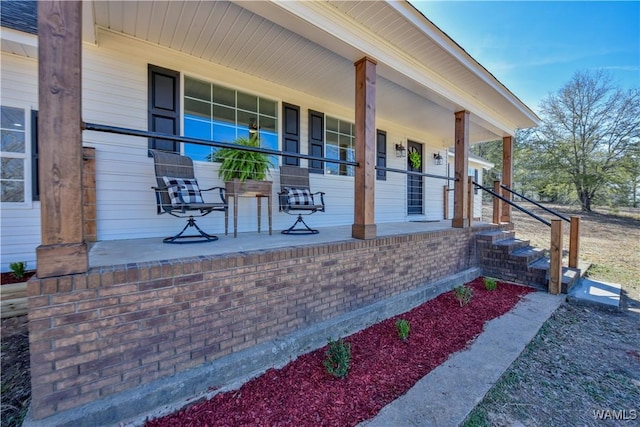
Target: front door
(414,183)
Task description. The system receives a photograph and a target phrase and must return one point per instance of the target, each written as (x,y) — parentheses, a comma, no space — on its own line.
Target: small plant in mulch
(463,294)
(337,358)
(403,327)
(490,284)
(18,269)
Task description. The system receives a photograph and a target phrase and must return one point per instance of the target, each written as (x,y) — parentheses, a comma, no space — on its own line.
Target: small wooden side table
(249,188)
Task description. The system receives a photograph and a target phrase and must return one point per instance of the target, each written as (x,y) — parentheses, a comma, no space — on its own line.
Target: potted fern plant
(242,165)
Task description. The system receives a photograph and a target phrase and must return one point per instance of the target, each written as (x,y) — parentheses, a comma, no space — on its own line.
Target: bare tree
(588,126)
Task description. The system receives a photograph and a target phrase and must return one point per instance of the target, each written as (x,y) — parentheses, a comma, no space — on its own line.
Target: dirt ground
(583,367)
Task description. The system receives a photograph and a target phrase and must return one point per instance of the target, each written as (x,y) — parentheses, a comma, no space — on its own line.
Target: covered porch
(367,81)
(121,252)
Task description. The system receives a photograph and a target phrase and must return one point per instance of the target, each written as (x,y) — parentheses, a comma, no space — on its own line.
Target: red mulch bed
(382,368)
(8,278)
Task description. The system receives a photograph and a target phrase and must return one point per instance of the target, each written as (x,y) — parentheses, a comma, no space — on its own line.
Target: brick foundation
(112,329)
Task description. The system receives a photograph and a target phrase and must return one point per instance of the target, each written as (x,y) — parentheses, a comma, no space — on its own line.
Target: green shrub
(18,269)
(337,358)
(490,284)
(403,327)
(463,294)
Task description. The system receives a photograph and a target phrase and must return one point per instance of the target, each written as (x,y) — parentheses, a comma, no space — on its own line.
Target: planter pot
(247,187)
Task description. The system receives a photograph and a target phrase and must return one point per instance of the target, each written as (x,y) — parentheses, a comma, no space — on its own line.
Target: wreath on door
(415,158)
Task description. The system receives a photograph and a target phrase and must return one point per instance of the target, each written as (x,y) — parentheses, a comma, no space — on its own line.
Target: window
(381,154)
(13,155)
(339,144)
(220,114)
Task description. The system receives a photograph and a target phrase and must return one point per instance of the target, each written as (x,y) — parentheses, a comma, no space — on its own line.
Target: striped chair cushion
(183,191)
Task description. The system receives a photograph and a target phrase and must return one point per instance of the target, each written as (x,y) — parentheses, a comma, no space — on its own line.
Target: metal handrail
(536,203)
(406,172)
(148,134)
(531,214)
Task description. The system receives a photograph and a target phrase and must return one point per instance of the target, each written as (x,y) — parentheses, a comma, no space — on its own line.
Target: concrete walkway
(594,293)
(449,393)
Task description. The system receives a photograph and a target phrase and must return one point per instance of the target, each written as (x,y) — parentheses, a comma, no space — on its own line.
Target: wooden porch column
(63,250)
(555,258)
(445,197)
(364,226)
(574,241)
(497,203)
(460,192)
(507,174)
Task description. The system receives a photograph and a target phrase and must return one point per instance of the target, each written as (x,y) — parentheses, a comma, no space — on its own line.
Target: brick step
(511,245)
(511,254)
(570,276)
(529,253)
(504,256)
(495,235)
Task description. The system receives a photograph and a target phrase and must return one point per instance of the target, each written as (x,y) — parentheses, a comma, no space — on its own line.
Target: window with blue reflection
(216,113)
(340,145)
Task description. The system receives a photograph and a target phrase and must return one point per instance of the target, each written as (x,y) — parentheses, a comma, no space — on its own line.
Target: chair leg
(193,238)
(305,230)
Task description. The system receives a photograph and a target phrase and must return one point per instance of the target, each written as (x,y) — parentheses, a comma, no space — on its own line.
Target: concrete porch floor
(116,252)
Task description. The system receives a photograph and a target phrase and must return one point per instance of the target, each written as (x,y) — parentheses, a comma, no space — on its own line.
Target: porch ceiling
(302,45)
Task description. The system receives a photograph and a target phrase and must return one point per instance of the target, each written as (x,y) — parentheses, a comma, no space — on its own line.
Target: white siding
(20,222)
(477,198)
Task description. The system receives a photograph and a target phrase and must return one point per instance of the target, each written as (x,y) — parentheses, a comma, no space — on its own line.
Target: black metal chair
(296,198)
(178,194)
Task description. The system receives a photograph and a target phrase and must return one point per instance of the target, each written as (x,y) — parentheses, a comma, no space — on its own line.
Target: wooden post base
(364,231)
(460,223)
(62,259)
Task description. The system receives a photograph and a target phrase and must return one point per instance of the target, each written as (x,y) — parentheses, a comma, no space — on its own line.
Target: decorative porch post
(460,193)
(364,226)
(507,174)
(63,250)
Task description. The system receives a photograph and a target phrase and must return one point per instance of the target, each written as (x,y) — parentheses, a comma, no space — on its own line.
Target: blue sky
(535,47)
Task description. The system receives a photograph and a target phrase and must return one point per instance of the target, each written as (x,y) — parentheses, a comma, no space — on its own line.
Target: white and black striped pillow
(300,196)
(183,191)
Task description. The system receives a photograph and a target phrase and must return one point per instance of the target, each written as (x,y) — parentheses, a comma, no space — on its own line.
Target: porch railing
(574,226)
(216,144)
(555,261)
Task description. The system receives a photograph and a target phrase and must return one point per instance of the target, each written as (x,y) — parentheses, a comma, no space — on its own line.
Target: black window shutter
(316,141)
(35,173)
(291,133)
(381,154)
(164,107)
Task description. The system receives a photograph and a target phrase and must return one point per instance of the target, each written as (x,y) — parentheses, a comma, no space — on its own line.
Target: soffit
(275,44)
(406,29)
